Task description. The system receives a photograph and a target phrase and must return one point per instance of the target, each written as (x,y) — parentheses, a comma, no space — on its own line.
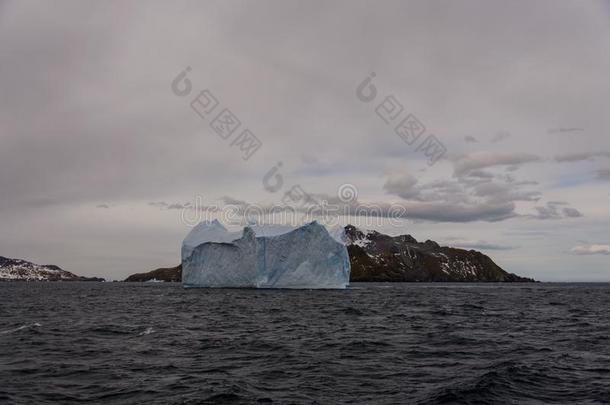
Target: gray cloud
(500,136)
(580,156)
(233,201)
(504,192)
(402,185)
(469,198)
(420,211)
(470,139)
(169,206)
(481,174)
(564,130)
(477,244)
(553,210)
(482,160)
(603,174)
(178,206)
(571,212)
(445,212)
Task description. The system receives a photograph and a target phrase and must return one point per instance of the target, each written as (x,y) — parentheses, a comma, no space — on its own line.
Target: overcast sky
(98,153)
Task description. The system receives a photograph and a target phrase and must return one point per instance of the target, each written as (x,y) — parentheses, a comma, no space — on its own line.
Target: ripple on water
(374,343)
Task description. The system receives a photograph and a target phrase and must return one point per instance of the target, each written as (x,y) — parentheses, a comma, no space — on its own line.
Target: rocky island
(22,270)
(376,257)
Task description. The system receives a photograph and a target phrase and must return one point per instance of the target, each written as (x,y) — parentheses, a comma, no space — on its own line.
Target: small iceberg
(308,257)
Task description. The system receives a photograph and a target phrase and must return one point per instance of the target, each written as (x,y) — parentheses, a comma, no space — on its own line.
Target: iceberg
(264,257)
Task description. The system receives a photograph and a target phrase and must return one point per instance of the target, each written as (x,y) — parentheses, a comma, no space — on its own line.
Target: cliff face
(378,257)
(22,270)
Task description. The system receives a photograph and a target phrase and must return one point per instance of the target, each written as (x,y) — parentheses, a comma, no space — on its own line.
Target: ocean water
(124,343)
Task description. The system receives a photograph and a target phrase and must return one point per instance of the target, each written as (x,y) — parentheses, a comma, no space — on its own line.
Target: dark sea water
(125,343)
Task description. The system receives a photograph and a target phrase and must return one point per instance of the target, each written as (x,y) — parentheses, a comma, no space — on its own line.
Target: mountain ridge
(376,257)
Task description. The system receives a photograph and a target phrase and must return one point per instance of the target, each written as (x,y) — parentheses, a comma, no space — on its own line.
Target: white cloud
(591,250)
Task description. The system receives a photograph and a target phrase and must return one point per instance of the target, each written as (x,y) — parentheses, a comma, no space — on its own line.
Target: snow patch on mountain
(22,270)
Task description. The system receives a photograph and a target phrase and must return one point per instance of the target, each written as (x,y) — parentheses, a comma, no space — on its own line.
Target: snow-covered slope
(17,270)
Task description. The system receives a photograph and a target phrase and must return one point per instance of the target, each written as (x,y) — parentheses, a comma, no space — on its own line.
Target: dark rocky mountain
(161,274)
(22,270)
(378,257)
